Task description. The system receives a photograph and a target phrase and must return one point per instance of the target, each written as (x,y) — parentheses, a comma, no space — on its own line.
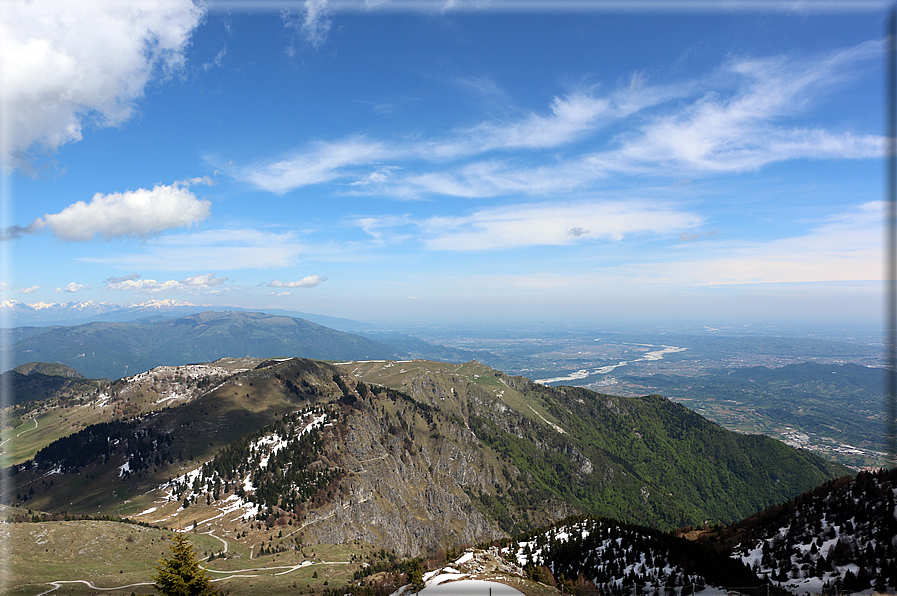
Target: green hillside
(44,380)
(114,350)
(637,460)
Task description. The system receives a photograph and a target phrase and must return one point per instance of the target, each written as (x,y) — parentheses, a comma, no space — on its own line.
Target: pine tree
(180,573)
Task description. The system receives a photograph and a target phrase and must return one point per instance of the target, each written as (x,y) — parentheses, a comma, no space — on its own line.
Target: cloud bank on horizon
(513,163)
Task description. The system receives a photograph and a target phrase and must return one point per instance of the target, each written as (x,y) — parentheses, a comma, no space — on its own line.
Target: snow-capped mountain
(16,313)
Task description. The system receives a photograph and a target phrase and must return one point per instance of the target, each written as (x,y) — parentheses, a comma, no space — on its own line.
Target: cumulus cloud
(73,288)
(30,290)
(116,280)
(134,283)
(306,282)
(65,63)
(13,232)
(140,213)
(553,224)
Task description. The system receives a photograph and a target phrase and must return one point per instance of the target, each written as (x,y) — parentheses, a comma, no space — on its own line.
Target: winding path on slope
(27,430)
(58,584)
(232,574)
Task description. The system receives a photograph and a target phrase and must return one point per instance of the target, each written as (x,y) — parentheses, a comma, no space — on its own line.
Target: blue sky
(438,161)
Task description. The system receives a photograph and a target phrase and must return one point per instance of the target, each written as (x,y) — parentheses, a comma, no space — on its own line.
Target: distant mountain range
(19,314)
(116,349)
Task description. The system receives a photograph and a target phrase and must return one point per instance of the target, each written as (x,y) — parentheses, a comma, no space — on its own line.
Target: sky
(447,161)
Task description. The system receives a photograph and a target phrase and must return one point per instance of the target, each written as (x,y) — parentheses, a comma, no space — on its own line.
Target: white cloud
(372,226)
(133,283)
(309,281)
(116,280)
(217,60)
(221,249)
(132,213)
(316,24)
(837,260)
(279,294)
(73,288)
(30,290)
(570,118)
(732,120)
(312,22)
(64,63)
(322,163)
(204,280)
(553,224)
(742,130)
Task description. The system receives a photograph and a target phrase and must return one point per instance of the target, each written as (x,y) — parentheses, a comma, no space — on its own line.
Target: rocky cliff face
(406,495)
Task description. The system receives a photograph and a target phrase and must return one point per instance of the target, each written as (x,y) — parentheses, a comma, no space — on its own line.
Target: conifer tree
(180,573)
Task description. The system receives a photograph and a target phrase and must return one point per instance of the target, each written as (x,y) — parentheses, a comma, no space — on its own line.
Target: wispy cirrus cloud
(741,130)
(319,163)
(733,120)
(569,118)
(312,22)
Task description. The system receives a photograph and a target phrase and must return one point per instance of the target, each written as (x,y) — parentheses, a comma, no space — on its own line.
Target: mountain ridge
(444,463)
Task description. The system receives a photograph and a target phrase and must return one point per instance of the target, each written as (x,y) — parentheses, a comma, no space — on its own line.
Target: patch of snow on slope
(268,445)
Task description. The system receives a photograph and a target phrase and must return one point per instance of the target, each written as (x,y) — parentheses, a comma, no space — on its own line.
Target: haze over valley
(393,298)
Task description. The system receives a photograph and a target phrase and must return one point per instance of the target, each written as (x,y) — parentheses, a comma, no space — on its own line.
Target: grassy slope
(111,554)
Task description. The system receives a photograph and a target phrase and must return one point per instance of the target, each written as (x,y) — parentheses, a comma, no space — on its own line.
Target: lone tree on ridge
(180,573)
